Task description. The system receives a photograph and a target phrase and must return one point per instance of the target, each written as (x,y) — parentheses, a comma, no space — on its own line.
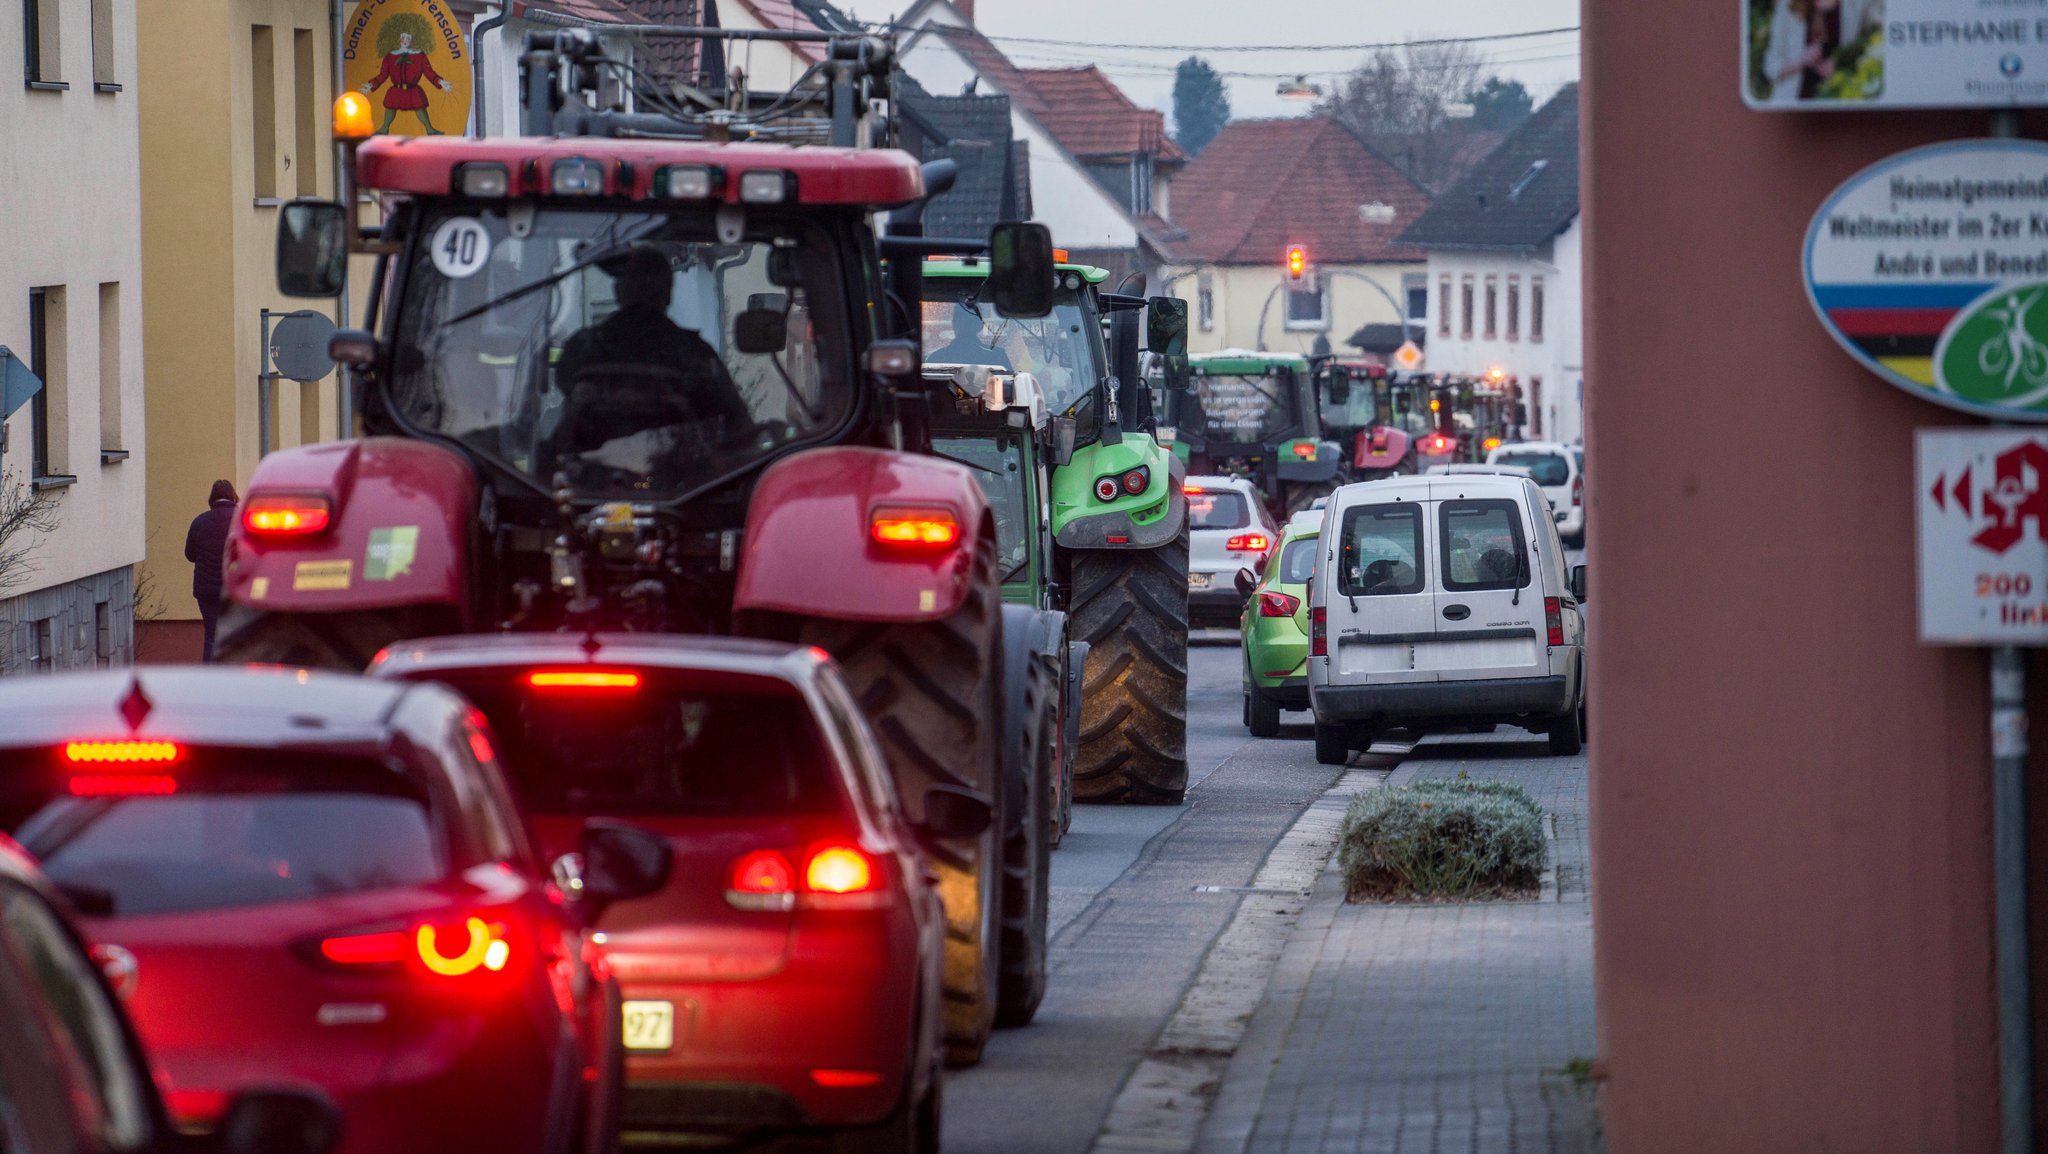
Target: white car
(1560,470)
(1438,602)
(1228,529)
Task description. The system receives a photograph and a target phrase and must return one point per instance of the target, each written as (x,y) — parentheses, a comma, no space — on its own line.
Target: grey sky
(1543,63)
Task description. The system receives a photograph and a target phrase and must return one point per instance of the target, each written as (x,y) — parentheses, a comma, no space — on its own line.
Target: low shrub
(1442,839)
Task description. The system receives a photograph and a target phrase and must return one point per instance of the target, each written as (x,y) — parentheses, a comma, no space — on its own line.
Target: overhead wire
(1222,48)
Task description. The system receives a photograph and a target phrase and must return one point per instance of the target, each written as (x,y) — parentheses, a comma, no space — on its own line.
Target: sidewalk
(1431,1028)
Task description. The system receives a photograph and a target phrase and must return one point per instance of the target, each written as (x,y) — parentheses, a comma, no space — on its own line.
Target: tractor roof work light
(352,120)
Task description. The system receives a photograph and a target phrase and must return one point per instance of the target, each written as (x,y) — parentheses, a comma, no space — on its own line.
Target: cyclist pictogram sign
(1983,527)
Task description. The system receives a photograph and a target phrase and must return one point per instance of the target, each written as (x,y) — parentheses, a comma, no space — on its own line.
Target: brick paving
(1430,1029)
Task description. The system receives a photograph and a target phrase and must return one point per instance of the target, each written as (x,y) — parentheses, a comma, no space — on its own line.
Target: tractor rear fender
(811,551)
(1318,463)
(1147,520)
(398,534)
(1029,635)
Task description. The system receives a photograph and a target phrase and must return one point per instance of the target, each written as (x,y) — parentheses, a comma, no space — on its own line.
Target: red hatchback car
(310,878)
(786,981)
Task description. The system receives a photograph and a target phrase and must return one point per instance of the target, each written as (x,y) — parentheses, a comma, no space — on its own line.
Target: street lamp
(1300,89)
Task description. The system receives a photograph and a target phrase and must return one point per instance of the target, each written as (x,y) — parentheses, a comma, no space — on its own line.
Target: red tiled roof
(989,61)
(1262,185)
(592,11)
(1090,116)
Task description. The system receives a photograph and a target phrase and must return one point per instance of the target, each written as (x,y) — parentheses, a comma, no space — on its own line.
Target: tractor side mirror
(1166,326)
(1577,582)
(1020,270)
(312,248)
(760,330)
(1340,386)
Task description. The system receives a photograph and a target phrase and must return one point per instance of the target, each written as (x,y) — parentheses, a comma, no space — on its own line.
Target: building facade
(71,297)
(234,102)
(1263,187)
(1505,278)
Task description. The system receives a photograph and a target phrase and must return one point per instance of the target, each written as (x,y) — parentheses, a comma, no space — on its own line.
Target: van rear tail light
(1277,604)
(1553,619)
(287,514)
(914,528)
(1578,491)
(1319,632)
(1248,543)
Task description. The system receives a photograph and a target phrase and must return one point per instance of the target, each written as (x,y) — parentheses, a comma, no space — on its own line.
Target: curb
(1165,1102)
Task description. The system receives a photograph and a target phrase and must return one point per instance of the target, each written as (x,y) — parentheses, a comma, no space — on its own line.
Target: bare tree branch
(26,515)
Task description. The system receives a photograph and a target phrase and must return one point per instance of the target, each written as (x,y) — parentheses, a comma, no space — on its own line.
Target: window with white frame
(1514,307)
(1308,307)
(1205,303)
(1443,305)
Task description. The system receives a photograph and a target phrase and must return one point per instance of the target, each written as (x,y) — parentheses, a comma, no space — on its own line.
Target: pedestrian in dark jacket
(205,545)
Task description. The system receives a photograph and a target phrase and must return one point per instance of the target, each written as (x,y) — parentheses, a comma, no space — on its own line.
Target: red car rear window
(676,744)
(219,829)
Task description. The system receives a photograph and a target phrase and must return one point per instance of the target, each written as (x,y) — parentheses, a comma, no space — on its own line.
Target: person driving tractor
(637,370)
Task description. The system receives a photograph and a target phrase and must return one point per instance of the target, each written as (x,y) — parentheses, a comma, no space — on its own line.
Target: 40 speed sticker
(460,248)
(1931,268)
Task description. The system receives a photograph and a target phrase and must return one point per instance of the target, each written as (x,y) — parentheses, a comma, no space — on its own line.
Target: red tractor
(653,371)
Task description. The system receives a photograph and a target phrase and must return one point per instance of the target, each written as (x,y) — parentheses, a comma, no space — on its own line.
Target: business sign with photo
(1800,55)
(1931,268)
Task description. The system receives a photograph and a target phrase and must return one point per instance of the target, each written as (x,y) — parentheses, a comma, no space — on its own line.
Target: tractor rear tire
(928,690)
(1131,606)
(1027,858)
(1301,496)
(345,641)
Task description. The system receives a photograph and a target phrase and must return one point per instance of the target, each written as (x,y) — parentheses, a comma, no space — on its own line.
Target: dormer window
(1528,178)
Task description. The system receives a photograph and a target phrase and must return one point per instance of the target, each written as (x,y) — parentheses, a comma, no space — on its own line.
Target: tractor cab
(1256,415)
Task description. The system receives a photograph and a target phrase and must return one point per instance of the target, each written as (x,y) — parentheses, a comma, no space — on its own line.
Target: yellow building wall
(1241,292)
(208,237)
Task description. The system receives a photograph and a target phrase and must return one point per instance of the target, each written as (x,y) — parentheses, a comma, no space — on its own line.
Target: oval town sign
(1931,267)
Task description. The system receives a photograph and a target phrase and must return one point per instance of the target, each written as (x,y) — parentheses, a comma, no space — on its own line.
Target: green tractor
(1103,530)
(1255,415)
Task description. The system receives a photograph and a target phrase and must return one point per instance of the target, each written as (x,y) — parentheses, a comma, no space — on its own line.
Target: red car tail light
(846,1079)
(1553,619)
(839,869)
(1248,543)
(583,679)
(762,880)
(287,514)
(1319,632)
(483,947)
(1277,604)
(122,785)
(379,949)
(914,528)
(114,752)
(446,947)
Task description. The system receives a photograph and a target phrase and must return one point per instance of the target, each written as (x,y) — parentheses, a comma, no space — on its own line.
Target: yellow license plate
(650,1025)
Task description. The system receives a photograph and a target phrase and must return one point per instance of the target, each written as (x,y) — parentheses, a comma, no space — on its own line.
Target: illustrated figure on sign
(399,43)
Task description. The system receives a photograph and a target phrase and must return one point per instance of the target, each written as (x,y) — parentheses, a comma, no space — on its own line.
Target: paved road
(1130,925)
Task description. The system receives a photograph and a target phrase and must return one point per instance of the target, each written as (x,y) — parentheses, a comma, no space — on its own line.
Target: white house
(71,312)
(1504,272)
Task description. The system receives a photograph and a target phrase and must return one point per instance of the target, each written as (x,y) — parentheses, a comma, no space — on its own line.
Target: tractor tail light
(1553,619)
(1305,450)
(1319,632)
(287,514)
(1248,543)
(1277,604)
(1106,488)
(1134,482)
(914,528)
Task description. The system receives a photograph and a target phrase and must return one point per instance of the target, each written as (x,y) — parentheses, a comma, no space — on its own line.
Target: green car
(1275,627)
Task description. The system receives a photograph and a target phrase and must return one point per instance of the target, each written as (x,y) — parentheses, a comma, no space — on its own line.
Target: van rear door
(1488,601)
(1380,605)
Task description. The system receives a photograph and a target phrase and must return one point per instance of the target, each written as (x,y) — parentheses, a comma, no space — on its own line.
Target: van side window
(1483,547)
(1380,551)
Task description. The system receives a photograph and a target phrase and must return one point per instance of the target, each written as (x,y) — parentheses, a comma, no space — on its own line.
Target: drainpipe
(476,62)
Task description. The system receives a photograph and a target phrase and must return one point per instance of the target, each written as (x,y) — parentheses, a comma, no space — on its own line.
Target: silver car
(1228,529)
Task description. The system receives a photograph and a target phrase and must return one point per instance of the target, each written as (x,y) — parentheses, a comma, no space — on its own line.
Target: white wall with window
(1244,306)
(71,311)
(1521,312)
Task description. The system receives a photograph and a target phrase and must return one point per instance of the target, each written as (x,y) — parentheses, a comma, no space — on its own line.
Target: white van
(1561,471)
(1440,601)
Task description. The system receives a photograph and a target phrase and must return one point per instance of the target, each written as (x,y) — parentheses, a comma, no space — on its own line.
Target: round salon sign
(1931,267)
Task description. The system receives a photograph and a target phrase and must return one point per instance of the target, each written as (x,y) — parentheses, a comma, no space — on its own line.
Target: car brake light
(1193,490)
(287,514)
(1319,632)
(583,679)
(839,869)
(846,1079)
(1578,491)
(762,880)
(1553,619)
(1248,543)
(365,949)
(104,752)
(122,785)
(907,528)
(1277,604)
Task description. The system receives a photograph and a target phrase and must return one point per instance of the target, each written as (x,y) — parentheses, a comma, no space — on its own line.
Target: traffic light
(1297,264)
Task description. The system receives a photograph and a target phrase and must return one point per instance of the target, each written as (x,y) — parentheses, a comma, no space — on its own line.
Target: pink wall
(1790,794)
